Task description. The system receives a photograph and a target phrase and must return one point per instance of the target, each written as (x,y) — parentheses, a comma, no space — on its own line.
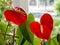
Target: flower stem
(0,19)
(43,42)
(9,35)
(13,36)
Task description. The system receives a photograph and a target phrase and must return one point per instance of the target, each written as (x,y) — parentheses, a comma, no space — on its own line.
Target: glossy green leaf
(55,41)
(25,30)
(23,41)
(27,43)
(52,42)
(58,38)
(30,19)
(37,41)
(18,33)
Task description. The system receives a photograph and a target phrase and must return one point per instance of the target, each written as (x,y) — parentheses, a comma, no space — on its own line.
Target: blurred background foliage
(57,7)
(4,4)
(54,39)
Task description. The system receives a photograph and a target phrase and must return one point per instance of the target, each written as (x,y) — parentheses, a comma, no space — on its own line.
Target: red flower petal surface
(44,31)
(20,9)
(36,29)
(47,20)
(16,16)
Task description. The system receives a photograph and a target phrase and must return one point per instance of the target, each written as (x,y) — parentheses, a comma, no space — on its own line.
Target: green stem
(13,36)
(0,19)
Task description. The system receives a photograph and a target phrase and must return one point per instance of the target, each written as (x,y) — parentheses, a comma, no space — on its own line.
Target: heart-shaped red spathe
(47,26)
(16,15)
(47,20)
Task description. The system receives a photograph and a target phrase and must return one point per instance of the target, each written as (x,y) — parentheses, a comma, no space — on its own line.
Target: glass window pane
(32,2)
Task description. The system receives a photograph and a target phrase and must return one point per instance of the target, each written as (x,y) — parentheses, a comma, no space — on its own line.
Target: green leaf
(2,27)
(2,42)
(23,41)
(58,38)
(37,41)
(27,43)
(30,19)
(25,30)
(55,41)
(52,41)
(18,33)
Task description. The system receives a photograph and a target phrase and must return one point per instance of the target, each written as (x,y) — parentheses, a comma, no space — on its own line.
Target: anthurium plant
(19,28)
(19,17)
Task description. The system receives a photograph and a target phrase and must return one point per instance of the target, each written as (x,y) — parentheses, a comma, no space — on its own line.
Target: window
(32,3)
(41,2)
(41,5)
(51,2)
(46,2)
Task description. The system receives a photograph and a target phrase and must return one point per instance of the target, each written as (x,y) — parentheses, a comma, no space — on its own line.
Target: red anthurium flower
(16,15)
(44,28)
(47,20)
